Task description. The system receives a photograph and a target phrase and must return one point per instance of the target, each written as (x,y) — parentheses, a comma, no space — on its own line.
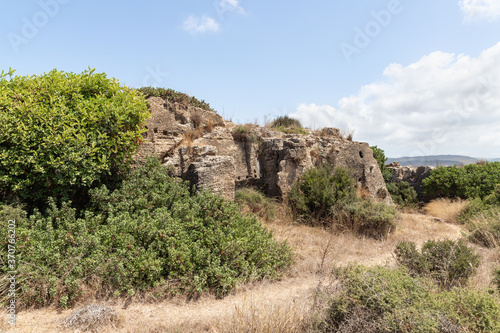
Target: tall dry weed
(252,317)
(446,209)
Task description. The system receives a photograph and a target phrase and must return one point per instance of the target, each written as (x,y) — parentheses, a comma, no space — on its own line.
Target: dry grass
(209,127)
(92,318)
(362,192)
(191,136)
(254,316)
(490,261)
(446,209)
(317,248)
(347,133)
(283,306)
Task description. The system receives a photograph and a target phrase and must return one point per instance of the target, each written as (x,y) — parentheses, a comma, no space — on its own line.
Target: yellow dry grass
(284,306)
(446,209)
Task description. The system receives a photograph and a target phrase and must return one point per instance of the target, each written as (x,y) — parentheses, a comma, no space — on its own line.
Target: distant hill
(434,160)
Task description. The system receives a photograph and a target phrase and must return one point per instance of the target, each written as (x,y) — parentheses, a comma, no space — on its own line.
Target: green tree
(64,133)
(470,181)
(379,155)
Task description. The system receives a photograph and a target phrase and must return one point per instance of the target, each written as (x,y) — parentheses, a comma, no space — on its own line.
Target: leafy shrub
(288,125)
(242,133)
(381,299)
(329,198)
(321,189)
(63,133)
(448,262)
(367,218)
(151,233)
(482,218)
(402,194)
(379,155)
(470,181)
(484,227)
(286,121)
(257,203)
(175,97)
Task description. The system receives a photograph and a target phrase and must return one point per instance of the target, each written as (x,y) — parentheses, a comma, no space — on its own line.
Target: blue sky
(413,77)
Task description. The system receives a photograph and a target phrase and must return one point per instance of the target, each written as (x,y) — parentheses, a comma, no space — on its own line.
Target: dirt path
(317,251)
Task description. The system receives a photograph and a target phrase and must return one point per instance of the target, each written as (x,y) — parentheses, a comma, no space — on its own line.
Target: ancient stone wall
(204,149)
(413,175)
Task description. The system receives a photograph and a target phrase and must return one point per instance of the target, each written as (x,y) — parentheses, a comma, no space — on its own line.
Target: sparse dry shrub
(197,119)
(315,154)
(447,209)
(484,228)
(92,318)
(192,135)
(362,192)
(347,133)
(209,127)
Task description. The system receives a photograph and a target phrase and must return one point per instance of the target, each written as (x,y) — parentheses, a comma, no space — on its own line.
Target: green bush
(150,234)
(64,133)
(449,263)
(257,202)
(320,190)
(288,125)
(380,299)
(367,218)
(329,198)
(402,194)
(468,182)
(286,121)
(242,133)
(175,97)
(484,227)
(379,155)
(482,218)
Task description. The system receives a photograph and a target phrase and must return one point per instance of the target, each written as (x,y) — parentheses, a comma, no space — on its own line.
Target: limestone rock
(203,148)
(213,172)
(413,175)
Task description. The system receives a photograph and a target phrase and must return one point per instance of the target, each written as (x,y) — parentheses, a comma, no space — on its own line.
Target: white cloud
(442,103)
(480,9)
(196,25)
(231,5)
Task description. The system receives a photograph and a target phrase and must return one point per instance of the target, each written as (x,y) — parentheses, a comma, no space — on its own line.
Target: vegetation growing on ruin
(288,125)
(173,96)
(328,197)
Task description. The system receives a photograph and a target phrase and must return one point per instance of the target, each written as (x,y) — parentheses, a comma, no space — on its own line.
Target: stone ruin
(413,175)
(216,154)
